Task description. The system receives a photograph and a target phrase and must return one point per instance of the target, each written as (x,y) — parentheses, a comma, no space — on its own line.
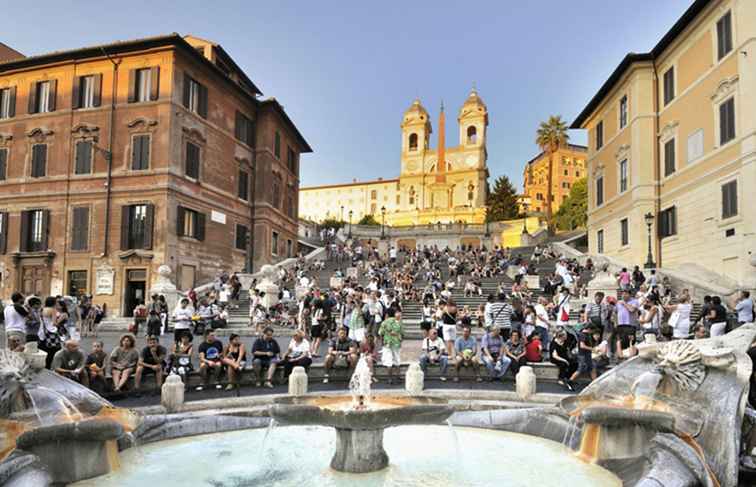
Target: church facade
(426,191)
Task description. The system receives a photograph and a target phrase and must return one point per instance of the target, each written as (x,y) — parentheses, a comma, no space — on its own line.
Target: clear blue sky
(345,71)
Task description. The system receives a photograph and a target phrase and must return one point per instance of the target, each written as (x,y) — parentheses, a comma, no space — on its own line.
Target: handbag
(673,319)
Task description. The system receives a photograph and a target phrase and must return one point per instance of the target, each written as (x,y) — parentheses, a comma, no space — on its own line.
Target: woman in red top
(533,351)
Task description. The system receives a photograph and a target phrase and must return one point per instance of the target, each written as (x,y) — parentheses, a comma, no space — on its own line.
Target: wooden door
(34,280)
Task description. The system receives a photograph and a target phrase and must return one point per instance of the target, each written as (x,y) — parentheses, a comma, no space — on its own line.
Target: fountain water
(360,384)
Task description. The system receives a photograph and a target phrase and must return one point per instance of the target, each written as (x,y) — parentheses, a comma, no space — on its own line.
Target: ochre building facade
(568,166)
(425,191)
(672,134)
(117,159)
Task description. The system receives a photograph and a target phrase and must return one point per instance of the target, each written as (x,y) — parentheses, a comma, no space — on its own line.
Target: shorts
(317,331)
(391,357)
(624,332)
(450,332)
(585,364)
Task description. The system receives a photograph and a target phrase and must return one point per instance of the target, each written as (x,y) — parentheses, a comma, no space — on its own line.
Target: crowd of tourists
(360,315)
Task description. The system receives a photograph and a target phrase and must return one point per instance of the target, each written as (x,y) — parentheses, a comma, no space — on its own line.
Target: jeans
(503,363)
(443,362)
(545,338)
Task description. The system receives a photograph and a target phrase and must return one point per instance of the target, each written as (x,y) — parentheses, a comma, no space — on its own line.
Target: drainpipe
(109,153)
(250,264)
(657,169)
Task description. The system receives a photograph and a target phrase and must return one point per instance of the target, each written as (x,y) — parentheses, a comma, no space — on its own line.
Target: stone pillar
(298,382)
(526,382)
(172,393)
(165,286)
(414,379)
(359,451)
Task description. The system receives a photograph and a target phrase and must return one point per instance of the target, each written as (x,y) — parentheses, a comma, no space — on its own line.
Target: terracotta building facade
(117,159)
(567,168)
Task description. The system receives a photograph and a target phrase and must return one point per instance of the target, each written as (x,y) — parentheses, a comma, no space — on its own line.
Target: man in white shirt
(15,319)
(434,352)
(392,254)
(542,322)
(182,320)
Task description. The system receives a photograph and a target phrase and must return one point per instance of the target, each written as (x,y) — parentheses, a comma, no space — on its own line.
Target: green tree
(502,201)
(574,210)
(331,223)
(550,137)
(368,220)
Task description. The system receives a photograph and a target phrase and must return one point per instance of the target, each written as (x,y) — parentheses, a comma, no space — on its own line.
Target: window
(241,237)
(668,222)
(292,160)
(80,231)
(192,168)
(195,96)
(724,35)
(624,232)
(599,135)
(87,91)
(729,200)
(600,191)
(566,172)
(140,152)
(136,226)
(577,174)
(244,185)
(600,241)
(77,283)
(42,96)
(190,223)
(413,142)
(623,112)
(373,194)
(289,248)
(398,200)
(3,164)
(39,160)
(244,129)
(83,157)
(144,84)
(276,195)
(8,102)
(34,229)
(623,176)
(277,148)
(472,134)
(726,121)
(695,145)
(669,157)
(274,244)
(3,232)
(669,85)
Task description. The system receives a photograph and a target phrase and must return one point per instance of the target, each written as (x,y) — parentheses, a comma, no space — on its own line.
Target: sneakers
(230,387)
(218,386)
(442,378)
(268,384)
(479,379)
(325,380)
(199,388)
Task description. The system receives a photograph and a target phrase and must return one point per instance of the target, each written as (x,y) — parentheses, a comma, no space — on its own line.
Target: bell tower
(473,123)
(416,132)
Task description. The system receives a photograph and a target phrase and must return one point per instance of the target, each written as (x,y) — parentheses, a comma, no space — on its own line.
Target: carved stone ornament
(39,134)
(142,123)
(85,130)
(724,89)
(622,152)
(5,139)
(669,129)
(193,133)
(682,362)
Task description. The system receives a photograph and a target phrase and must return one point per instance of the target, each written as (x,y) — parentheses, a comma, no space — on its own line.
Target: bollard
(172,393)
(298,382)
(526,382)
(414,379)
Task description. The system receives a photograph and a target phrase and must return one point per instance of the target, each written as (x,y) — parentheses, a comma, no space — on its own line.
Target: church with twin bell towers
(442,184)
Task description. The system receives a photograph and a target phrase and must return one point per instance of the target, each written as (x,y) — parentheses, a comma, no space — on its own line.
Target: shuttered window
(192,168)
(3,232)
(727,121)
(80,231)
(669,85)
(140,152)
(600,241)
(190,223)
(244,129)
(244,185)
(624,232)
(8,102)
(599,135)
(241,237)
(724,35)
(292,160)
(669,157)
(42,95)
(144,85)
(623,112)
(277,148)
(599,191)
(195,96)
(87,91)
(39,160)
(729,199)
(34,230)
(137,226)
(623,175)
(3,164)
(668,222)
(83,157)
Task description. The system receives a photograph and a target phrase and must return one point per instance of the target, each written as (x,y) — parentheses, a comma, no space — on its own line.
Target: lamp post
(341,219)
(525,203)
(350,224)
(649,218)
(383,221)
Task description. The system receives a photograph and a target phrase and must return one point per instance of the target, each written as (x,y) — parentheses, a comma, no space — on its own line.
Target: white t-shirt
(392,253)
(13,320)
(682,327)
(299,349)
(433,348)
(542,316)
(182,318)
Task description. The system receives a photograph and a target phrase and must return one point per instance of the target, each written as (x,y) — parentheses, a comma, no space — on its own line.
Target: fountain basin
(359,432)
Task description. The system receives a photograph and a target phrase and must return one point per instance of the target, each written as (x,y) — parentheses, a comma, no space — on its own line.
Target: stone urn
(298,382)
(172,393)
(34,357)
(414,379)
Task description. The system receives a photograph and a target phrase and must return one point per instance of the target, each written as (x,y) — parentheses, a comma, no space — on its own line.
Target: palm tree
(550,137)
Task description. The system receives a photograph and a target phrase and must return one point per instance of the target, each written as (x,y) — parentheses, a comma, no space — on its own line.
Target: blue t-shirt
(470,344)
(212,350)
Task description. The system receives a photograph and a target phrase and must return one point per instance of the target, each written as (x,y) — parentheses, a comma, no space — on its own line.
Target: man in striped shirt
(499,315)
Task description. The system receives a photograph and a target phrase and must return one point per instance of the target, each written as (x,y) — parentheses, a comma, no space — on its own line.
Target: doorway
(35,280)
(135,292)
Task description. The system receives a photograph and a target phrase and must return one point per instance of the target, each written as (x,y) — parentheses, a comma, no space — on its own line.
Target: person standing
(15,315)
(182,321)
(680,318)
(392,333)
(744,308)
(717,317)
(627,316)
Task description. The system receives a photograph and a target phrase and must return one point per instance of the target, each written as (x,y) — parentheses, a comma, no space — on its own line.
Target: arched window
(412,195)
(472,134)
(413,142)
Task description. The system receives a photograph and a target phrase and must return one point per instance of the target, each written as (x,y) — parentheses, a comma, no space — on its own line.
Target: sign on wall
(104,280)
(218,217)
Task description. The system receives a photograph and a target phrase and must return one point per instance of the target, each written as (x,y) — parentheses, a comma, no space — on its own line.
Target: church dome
(416,112)
(473,105)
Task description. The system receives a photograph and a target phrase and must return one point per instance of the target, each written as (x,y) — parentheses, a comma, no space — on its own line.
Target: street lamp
(341,219)
(383,222)
(649,218)
(525,202)
(350,224)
